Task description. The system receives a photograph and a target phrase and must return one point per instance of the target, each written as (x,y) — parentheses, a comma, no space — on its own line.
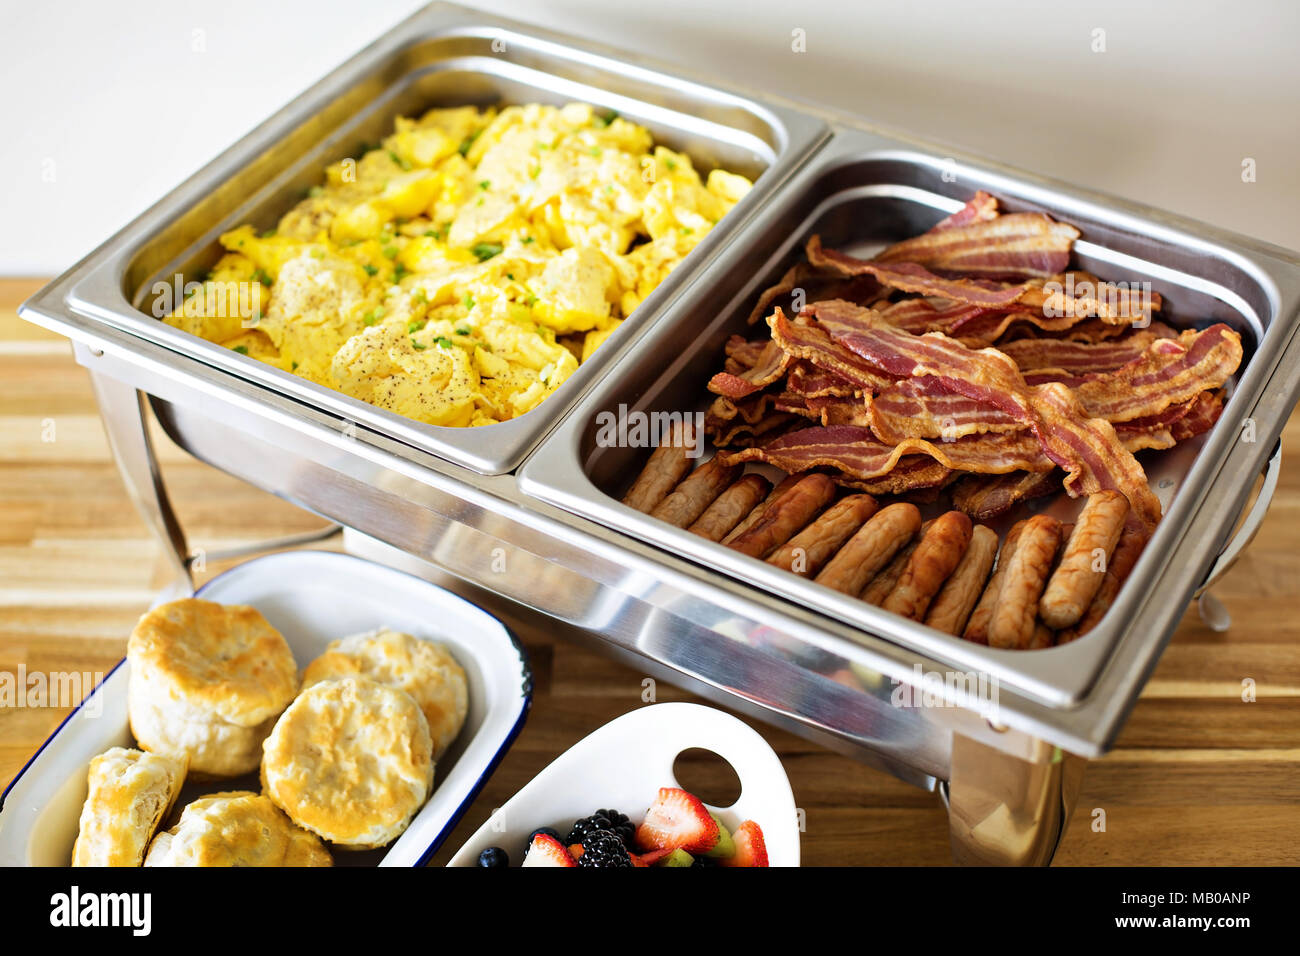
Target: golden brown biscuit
(351,760)
(236,828)
(424,669)
(208,680)
(130,794)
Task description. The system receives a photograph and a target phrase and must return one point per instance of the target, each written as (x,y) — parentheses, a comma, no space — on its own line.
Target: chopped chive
(469,141)
(462,331)
(267,234)
(241,349)
(531,300)
(420,296)
(418,346)
(404,163)
(485,184)
(390,252)
(486,250)
(400,272)
(315,192)
(414,326)
(469,302)
(528,240)
(604,121)
(293,367)
(262,276)
(445,342)
(370,270)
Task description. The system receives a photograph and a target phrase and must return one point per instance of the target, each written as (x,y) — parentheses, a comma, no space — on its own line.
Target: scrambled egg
(461,271)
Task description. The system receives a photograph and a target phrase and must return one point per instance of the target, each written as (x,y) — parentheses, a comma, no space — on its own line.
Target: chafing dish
(546,543)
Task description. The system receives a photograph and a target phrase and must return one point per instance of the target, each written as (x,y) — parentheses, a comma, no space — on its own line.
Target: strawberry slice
(751,850)
(676,820)
(548,851)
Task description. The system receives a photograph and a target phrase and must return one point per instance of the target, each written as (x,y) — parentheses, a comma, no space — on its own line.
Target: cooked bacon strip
(923,408)
(984,497)
(981,207)
(1081,295)
(1203,412)
(827,410)
(810,381)
(771,365)
(741,434)
(1171,371)
(743,354)
(1079,359)
(920,314)
(857,453)
(816,283)
(1087,448)
(910,277)
(805,341)
(1017,246)
(1089,330)
(919,476)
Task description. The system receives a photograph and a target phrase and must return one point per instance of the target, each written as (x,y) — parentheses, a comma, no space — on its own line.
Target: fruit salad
(678,830)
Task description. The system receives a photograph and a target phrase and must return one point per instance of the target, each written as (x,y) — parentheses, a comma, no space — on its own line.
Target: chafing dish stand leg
(1005,810)
(122,409)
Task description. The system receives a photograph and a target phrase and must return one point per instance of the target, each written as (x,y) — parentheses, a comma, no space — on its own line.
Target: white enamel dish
(312,598)
(622,766)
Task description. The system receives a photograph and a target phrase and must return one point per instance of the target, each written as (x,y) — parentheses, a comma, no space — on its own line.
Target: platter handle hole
(707,775)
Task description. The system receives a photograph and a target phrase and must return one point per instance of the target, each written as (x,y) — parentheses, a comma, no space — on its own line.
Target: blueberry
(549,831)
(493,857)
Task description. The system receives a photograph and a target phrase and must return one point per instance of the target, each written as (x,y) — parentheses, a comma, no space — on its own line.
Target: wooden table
(1198,776)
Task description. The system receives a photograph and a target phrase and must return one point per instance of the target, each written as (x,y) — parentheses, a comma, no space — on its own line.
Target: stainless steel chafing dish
(547,541)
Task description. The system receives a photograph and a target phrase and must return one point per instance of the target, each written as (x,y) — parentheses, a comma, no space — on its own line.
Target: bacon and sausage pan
(903,506)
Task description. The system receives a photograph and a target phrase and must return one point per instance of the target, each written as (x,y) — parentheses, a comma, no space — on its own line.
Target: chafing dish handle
(1213,613)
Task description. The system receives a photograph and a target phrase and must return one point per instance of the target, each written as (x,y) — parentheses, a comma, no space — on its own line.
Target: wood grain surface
(1199,776)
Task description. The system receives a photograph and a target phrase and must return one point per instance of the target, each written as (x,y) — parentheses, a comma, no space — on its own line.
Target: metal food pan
(442,56)
(861,193)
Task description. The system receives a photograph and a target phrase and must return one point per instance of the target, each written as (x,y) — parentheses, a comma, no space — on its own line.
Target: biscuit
(236,828)
(130,794)
(423,669)
(351,760)
(208,681)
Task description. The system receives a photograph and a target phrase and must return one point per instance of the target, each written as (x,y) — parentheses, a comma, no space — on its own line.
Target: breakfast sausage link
(668,465)
(934,559)
(700,489)
(1016,612)
(811,548)
(883,583)
(1118,568)
(730,507)
(1077,578)
(786,483)
(785,516)
(871,548)
(956,600)
(977,626)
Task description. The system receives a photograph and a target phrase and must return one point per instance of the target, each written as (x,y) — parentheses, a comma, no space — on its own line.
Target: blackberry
(604,848)
(603,820)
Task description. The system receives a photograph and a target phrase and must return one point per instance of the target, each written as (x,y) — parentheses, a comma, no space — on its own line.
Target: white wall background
(106,106)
